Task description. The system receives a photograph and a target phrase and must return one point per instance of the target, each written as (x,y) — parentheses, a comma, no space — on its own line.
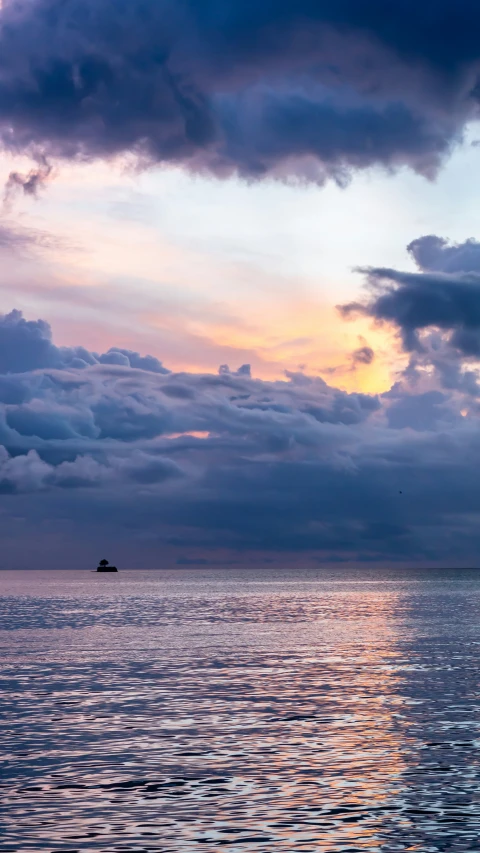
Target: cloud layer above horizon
(309,89)
(203,467)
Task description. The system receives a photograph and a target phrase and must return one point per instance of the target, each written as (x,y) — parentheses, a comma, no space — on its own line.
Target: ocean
(210,710)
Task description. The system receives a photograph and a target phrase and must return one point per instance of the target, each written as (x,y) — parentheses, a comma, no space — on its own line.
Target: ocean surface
(240,711)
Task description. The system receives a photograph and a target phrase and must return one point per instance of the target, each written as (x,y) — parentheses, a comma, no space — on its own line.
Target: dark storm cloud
(206,464)
(445,295)
(306,88)
(435,254)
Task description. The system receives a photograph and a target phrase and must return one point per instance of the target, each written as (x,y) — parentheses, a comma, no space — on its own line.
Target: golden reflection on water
(199,712)
(368,748)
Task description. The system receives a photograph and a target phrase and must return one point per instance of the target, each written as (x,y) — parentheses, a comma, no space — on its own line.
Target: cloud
(220,467)
(363,355)
(445,296)
(292,89)
(435,254)
(22,473)
(431,410)
(31,183)
(27,344)
(14,238)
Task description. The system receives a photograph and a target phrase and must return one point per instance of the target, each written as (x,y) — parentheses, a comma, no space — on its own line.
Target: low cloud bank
(214,464)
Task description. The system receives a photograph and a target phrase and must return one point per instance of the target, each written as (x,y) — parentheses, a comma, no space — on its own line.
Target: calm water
(203,711)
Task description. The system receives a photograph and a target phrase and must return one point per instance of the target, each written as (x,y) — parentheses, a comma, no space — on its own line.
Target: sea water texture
(240,710)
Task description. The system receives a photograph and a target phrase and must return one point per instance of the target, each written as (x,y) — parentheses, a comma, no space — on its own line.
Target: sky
(240,283)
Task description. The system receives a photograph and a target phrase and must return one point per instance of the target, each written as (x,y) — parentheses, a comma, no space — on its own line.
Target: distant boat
(104,566)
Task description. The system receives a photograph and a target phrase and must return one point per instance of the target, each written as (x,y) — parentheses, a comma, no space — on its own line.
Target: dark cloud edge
(292,90)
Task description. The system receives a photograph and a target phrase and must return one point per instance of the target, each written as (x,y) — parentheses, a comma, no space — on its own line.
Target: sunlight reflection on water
(199,710)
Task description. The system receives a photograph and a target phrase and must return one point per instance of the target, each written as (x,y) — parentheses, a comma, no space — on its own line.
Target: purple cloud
(445,296)
(203,465)
(301,89)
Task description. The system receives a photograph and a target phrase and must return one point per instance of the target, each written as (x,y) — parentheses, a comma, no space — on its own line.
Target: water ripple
(196,712)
